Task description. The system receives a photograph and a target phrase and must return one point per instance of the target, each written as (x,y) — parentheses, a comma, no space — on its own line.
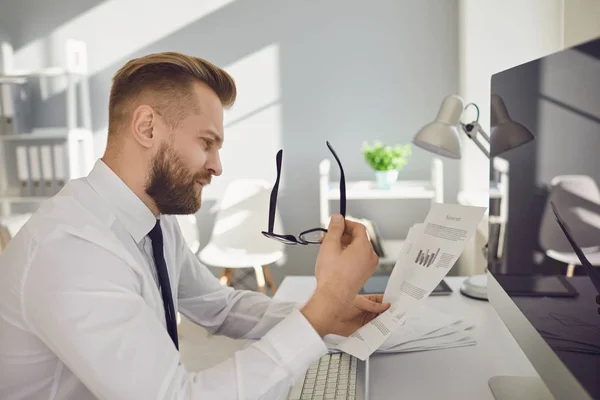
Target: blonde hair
(168,77)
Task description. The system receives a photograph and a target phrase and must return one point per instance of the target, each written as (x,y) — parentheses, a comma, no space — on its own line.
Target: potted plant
(387,161)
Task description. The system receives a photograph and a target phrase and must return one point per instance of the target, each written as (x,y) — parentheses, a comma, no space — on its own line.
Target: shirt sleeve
(85,305)
(223,310)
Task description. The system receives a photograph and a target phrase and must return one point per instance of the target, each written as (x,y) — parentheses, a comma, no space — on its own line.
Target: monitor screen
(557,100)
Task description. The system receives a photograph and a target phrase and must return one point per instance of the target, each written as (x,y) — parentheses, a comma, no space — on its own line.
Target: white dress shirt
(81,315)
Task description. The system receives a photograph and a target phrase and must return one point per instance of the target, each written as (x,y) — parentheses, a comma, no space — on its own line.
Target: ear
(143,124)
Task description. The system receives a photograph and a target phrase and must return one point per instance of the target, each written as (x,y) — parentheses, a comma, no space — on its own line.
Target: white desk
(459,373)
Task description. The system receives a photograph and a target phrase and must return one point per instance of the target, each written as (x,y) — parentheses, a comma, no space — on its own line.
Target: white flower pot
(385,179)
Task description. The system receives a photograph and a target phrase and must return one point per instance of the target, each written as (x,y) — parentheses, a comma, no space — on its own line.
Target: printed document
(423,328)
(429,252)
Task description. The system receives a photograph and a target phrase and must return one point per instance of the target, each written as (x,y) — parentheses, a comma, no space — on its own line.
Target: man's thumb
(335,230)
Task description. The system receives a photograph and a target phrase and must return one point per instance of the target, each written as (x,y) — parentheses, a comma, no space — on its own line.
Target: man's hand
(345,261)
(362,311)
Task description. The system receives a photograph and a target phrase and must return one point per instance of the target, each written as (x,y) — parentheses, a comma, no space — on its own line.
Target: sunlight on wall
(253,124)
(249,151)
(257,81)
(113,30)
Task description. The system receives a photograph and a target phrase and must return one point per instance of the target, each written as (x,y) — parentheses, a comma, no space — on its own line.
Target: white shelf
(12,79)
(480,199)
(74,142)
(48,133)
(367,190)
(45,72)
(24,199)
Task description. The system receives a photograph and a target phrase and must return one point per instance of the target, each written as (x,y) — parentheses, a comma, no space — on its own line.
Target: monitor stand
(519,388)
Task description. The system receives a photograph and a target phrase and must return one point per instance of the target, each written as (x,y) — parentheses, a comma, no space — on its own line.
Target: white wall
(582,21)
(493,36)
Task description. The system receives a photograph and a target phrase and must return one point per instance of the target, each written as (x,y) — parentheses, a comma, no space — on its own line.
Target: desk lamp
(442,137)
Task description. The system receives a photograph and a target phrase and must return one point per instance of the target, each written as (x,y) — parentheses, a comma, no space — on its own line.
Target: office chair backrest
(189,229)
(578,198)
(4,238)
(10,226)
(242,214)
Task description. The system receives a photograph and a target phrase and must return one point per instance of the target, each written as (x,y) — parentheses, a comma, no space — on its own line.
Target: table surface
(457,373)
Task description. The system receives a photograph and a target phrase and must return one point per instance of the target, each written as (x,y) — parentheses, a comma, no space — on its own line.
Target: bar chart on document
(426,257)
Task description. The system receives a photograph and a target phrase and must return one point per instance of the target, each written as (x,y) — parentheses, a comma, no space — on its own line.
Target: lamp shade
(506,134)
(441,136)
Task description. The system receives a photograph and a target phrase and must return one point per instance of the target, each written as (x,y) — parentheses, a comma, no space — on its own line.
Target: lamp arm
(482,132)
(471,130)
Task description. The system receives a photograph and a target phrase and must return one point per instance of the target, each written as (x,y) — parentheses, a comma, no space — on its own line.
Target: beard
(172,186)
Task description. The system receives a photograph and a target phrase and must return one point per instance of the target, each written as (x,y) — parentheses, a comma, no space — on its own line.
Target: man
(90,285)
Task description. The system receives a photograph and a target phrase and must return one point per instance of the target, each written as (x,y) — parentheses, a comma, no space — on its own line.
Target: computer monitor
(538,287)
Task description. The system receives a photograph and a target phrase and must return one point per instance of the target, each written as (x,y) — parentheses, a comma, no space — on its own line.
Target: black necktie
(163,281)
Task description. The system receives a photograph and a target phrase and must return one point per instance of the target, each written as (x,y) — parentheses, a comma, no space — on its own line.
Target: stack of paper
(423,329)
(428,329)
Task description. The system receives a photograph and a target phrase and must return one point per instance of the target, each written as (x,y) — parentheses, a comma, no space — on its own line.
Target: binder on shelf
(6,109)
(50,165)
(47,173)
(23,171)
(59,166)
(35,171)
(15,106)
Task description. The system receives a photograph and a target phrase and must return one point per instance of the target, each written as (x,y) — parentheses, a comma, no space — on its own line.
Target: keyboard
(332,377)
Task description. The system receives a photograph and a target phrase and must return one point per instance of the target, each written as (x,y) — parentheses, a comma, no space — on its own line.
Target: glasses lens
(313,236)
(287,239)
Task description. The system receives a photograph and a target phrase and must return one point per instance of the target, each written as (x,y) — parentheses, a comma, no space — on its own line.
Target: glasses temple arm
(342,191)
(273,201)
(342,181)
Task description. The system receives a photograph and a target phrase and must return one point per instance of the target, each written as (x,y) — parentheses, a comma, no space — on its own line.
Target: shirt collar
(127,206)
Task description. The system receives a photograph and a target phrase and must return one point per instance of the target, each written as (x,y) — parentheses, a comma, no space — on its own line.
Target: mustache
(204,177)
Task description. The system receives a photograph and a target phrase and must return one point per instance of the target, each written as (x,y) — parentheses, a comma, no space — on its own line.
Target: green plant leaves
(386,158)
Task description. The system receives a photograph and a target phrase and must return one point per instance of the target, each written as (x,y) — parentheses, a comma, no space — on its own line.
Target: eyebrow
(212,133)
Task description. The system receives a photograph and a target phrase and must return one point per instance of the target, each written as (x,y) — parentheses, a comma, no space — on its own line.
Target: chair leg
(260,278)
(570,270)
(269,279)
(226,276)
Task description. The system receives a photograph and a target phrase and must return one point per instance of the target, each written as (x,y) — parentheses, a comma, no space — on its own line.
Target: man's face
(188,157)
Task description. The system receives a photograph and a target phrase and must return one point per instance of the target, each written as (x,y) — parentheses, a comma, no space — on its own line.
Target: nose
(214,164)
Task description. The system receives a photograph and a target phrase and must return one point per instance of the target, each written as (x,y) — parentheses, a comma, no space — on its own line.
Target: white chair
(189,229)
(236,240)
(578,199)
(9,226)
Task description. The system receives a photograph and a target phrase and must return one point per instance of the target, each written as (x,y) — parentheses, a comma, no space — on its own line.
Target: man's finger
(353,231)
(356,231)
(365,304)
(346,240)
(335,230)
(377,298)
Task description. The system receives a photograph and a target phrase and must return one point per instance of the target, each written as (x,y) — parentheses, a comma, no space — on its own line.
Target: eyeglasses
(311,236)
